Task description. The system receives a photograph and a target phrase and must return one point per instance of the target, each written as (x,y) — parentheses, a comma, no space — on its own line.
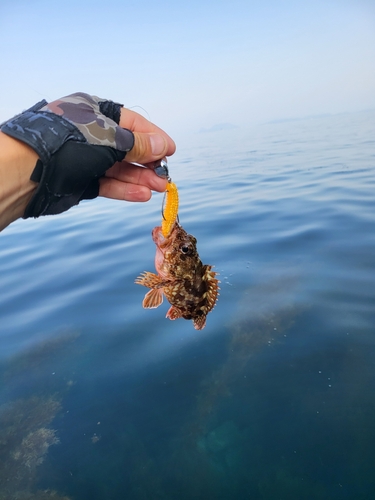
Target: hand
(125,181)
(81,141)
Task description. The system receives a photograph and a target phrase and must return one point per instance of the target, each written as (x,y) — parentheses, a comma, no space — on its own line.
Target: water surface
(273,399)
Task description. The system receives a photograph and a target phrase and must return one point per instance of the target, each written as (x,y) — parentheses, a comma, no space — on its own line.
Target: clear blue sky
(193,64)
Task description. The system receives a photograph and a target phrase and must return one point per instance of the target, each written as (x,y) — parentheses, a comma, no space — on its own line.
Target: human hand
(126,181)
(79,140)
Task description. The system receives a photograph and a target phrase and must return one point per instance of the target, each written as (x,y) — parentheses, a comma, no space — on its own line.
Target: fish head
(176,254)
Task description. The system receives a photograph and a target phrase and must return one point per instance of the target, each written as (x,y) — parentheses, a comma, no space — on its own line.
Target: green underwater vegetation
(25,422)
(25,437)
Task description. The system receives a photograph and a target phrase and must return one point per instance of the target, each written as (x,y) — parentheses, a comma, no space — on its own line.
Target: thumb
(148,147)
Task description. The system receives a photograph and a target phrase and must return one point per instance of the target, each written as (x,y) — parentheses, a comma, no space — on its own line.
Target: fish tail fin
(199,322)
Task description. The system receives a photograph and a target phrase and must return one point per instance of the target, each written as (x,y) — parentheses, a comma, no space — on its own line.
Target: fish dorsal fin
(213,288)
(153,298)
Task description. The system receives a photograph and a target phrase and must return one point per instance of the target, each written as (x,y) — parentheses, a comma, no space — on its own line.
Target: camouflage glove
(77,139)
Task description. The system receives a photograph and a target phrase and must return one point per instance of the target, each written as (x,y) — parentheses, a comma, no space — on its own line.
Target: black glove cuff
(44,132)
(71,175)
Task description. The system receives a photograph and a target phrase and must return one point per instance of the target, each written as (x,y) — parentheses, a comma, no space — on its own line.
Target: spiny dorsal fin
(212,287)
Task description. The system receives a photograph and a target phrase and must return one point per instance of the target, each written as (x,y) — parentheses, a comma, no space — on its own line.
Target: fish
(190,287)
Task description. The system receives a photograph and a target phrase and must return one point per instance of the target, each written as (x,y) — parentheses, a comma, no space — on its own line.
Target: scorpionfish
(190,287)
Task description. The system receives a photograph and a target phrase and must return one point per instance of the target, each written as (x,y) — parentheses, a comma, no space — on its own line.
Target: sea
(274,399)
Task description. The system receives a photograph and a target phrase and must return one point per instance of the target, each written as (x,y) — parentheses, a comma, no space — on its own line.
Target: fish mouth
(159,259)
(157,235)
(162,241)
(162,244)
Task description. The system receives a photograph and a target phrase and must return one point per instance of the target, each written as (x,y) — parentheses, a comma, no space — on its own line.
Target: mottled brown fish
(190,287)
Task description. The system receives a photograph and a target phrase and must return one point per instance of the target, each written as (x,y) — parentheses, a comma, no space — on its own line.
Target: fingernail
(157,144)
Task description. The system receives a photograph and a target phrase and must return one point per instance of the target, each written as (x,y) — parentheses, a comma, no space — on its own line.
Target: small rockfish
(190,287)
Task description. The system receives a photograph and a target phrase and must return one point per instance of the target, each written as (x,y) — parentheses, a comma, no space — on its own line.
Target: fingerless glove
(77,139)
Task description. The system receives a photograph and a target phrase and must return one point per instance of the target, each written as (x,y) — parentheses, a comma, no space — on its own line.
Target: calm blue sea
(274,399)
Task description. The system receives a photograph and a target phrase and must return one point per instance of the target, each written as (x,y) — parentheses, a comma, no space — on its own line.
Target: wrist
(17,162)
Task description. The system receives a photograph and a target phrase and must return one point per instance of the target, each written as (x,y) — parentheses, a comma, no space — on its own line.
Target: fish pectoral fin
(173,313)
(153,298)
(150,280)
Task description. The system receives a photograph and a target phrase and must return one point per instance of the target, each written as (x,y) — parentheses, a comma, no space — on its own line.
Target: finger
(118,190)
(133,174)
(134,121)
(147,148)
(151,142)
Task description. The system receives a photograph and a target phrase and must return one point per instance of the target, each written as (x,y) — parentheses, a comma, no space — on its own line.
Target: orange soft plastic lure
(170,210)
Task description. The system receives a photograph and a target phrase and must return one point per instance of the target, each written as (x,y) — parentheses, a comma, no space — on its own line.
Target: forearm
(17,161)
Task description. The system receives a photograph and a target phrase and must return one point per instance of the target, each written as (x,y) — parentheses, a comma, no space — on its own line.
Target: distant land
(320,115)
(218,127)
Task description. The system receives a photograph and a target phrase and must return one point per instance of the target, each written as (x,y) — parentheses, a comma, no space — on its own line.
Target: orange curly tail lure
(170,210)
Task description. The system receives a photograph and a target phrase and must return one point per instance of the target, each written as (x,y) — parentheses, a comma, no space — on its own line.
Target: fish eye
(184,248)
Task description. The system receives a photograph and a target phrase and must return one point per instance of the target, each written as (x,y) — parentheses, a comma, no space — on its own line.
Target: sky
(189,66)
